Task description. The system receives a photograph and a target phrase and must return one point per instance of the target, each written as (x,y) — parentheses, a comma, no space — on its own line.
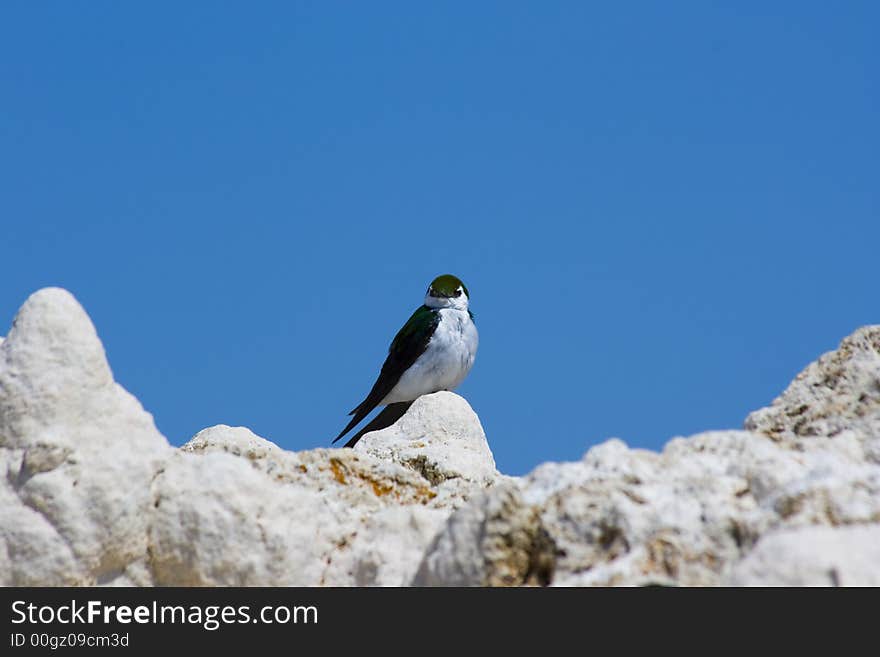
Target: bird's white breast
(445,363)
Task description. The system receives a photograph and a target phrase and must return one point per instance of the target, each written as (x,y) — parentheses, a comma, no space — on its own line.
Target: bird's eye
(457,293)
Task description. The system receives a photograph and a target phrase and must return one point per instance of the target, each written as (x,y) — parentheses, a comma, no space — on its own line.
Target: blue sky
(663,211)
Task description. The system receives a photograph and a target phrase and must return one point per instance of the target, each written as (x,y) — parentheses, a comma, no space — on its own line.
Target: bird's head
(447,291)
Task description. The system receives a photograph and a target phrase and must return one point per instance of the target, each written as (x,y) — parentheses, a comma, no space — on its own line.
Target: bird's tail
(389,415)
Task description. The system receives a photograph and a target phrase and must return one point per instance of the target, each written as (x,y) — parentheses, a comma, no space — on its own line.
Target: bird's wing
(409,343)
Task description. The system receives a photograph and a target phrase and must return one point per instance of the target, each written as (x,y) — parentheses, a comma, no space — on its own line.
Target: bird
(433,351)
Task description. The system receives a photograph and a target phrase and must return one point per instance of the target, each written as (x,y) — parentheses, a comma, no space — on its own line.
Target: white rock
(813,556)
(690,514)
(78,454)
(384,548)
(93,494)
(836,396)
(440,437)
(234,509)
(684,516)
(637,517)
(497,540)
(238,441)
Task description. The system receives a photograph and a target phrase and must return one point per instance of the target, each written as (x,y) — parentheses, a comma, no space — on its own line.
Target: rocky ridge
(93,494)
